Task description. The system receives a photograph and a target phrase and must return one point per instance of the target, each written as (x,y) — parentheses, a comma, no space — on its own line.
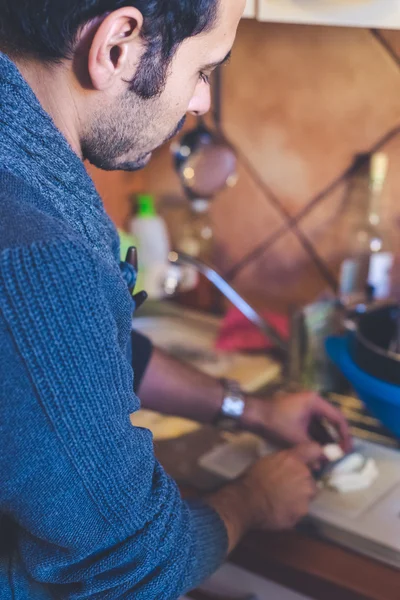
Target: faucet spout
(181,259)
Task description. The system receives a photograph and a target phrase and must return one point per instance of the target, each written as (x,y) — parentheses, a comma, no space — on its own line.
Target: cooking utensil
(204,159)
(395,344)
(323,432)
(205,162)
(179,258)
(375,343)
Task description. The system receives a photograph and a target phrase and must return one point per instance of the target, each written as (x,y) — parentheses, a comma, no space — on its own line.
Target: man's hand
(289,417)
(281,487)
(274,495)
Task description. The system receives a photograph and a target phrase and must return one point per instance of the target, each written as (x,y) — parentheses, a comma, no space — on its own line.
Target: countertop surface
(307,564)
(298,560)
(317,568)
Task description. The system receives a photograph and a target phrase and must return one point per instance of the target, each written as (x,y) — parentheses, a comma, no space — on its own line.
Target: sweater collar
(33,149)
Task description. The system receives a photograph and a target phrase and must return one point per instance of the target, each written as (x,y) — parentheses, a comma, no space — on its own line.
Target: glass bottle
(197,240)
(197,233)
(366,273)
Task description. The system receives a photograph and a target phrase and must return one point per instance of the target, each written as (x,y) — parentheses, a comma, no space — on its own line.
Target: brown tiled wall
(299,103)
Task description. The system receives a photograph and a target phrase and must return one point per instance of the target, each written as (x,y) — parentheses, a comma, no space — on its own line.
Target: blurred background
(298,103)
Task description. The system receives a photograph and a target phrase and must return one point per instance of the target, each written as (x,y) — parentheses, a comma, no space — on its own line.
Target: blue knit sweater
(86,511)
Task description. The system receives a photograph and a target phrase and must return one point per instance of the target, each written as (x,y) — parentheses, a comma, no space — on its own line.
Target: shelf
(350,13)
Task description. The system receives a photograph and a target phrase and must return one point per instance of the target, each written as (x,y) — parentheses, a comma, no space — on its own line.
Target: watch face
(233,407)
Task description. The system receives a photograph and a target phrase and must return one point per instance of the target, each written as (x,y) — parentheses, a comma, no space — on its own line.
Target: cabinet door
(352,13)
(250,10)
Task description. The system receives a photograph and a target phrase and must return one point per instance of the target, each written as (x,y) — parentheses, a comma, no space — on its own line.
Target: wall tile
(300,101)
(285,273)
(243,218)
(392,38)
(329,226)
(281,277)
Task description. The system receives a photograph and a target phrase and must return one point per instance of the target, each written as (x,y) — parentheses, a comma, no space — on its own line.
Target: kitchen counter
(317,568)
(301,560)
(298,560)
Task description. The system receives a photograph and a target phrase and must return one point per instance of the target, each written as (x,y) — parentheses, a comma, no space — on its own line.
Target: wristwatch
(233,405)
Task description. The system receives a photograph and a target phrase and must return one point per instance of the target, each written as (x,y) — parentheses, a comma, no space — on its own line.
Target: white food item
(353,474)
(349,465)
(333,452)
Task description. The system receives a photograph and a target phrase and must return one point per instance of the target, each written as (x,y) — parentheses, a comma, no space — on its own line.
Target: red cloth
(237,333)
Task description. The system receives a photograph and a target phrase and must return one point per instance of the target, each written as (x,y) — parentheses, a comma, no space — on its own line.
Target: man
(86,510)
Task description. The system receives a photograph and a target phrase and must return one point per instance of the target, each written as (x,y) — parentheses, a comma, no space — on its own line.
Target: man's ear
(116,47)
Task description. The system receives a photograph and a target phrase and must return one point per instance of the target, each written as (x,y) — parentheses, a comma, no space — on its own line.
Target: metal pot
(375,343)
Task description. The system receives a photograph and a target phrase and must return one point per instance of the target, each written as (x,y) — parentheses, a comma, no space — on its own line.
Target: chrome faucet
(173,281)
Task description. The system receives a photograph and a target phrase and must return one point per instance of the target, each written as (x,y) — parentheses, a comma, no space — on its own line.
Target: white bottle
(152,237)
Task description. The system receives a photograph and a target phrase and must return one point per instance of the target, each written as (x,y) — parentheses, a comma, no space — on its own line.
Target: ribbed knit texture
(32,148)
(92,513)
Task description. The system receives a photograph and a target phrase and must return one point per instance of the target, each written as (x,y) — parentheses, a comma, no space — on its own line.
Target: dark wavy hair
(48,29)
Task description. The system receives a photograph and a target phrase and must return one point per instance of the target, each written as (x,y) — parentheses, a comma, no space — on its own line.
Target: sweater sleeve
(98,516)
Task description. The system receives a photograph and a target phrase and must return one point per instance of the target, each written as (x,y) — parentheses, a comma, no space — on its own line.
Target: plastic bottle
(152,237)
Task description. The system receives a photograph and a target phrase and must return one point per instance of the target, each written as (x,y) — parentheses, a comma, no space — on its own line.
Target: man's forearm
(175,388)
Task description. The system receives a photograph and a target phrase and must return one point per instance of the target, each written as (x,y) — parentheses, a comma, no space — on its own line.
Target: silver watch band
(233,405)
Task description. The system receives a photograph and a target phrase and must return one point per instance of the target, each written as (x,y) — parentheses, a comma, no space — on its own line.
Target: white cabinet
(250,10)
(352,13)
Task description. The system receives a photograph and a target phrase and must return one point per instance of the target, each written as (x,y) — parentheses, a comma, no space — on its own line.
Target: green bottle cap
(146,206)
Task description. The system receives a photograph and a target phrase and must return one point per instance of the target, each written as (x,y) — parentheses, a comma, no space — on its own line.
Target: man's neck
(53,87)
